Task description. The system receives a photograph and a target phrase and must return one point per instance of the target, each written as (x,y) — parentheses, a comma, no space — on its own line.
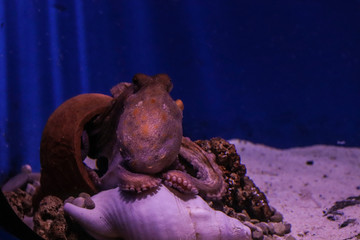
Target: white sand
(301,192)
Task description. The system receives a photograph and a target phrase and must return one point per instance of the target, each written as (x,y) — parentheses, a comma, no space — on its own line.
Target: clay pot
(62,170)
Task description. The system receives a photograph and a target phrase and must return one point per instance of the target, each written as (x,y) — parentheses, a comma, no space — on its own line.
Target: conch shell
(160,214)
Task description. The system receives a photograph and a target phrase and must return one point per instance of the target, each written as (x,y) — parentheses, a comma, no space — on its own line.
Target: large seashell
(62,170)
(161,214)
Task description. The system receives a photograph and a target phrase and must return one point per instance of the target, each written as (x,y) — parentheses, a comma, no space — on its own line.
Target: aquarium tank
(283,74)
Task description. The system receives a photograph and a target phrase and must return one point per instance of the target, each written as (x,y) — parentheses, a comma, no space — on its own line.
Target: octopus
(136,138)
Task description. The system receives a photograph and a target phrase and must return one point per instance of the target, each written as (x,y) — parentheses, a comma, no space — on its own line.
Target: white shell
(159,215)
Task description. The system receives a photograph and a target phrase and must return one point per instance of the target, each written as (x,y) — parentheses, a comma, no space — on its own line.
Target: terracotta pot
(62,170)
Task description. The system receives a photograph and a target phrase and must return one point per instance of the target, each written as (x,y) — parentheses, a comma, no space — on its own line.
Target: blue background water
(283,73)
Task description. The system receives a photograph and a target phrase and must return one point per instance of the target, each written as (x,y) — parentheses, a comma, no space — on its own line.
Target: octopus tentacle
(128,181)
(209,180)
(179,180)
(176,165)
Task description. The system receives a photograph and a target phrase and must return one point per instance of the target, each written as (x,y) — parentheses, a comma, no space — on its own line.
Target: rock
(281,228)
(69,199)
(20,201)
(49,220)
(83,200)
(271,228)
(272,209)
(79,201)
(287,228)
(89,203)
(242,193)
(257,235)
(84,195)
(225,152)
(277,217)
(251,226)
(255,202)
(264,227)
(290,237)
(254,221)
(242,217)
(347,222)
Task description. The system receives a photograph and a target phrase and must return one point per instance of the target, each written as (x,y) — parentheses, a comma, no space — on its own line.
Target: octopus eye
(136,84)
(165,80)
(140,80)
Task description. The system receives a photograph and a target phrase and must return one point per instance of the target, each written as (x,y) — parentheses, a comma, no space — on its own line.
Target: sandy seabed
(303,183)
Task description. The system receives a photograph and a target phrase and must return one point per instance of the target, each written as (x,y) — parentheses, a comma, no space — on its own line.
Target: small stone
(89,203)
(79,201)
(257,235)
(268,238)
(271,228)
(290,237)
(310,162)
(264,227)
(280,229)
(243,217)
(287,227)
(245,212)
(69,200)
(347,222)
(84,195)
(272,209)
(277,217)
(254,221)
(250,225)
(332,218)
(26,168)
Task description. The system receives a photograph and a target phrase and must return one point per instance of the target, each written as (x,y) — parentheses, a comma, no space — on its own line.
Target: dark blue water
(282,73)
